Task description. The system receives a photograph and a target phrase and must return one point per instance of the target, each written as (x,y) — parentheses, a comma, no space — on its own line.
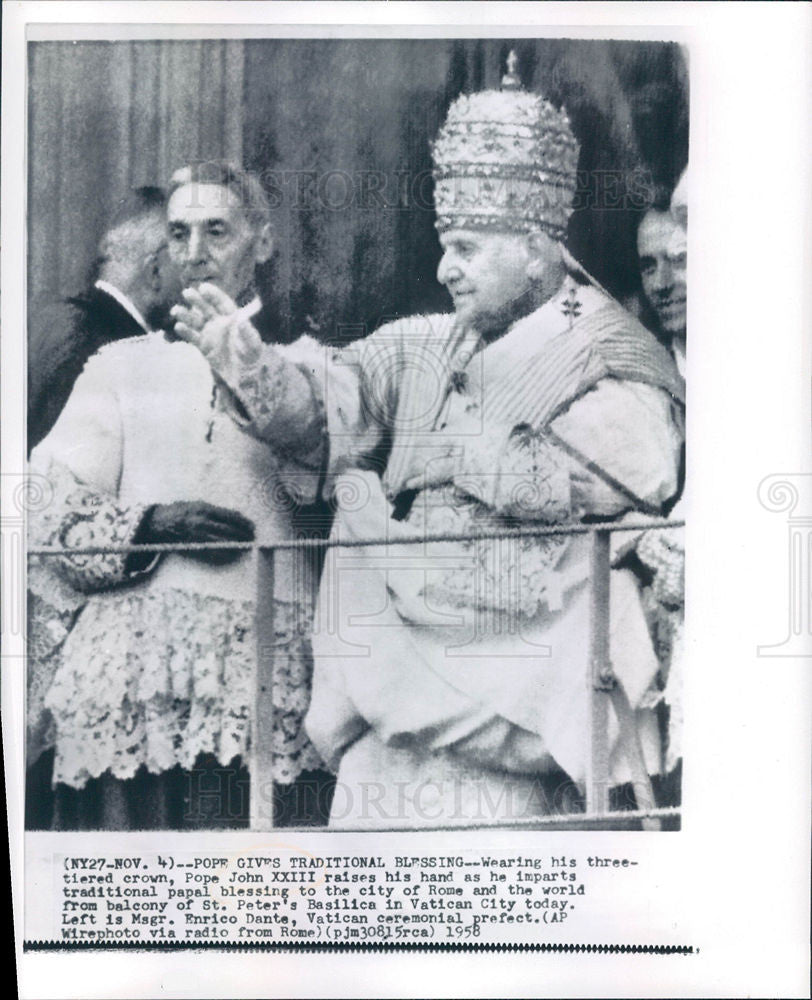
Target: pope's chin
(483,321)
(465,307)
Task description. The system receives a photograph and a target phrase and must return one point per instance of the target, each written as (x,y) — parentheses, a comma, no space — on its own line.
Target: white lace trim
(155,678)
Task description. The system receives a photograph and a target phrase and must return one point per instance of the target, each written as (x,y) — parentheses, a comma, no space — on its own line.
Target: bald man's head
(133,255)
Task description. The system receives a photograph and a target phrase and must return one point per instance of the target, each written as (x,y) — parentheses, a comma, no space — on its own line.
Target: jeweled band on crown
(507,160)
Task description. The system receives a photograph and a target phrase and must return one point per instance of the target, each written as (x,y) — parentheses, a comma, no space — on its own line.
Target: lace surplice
(179,683)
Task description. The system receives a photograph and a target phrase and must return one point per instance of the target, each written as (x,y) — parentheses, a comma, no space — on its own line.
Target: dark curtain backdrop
(340,132)
(105,117)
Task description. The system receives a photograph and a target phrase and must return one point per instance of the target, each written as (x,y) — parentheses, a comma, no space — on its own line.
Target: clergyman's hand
(212,322)
(196,521)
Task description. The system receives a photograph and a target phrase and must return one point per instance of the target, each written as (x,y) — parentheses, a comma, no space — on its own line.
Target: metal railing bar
(356,543)
(524,822)
(261,758)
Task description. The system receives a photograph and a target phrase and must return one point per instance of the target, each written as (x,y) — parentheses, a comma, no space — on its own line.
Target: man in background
(662,251)
(134,285)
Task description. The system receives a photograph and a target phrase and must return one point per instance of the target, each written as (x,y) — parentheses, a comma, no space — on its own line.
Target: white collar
(678,350)
(250,309)
(124,302)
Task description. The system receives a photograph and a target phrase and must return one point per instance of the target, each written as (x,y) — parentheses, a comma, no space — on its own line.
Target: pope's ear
(264,244)
(539,244)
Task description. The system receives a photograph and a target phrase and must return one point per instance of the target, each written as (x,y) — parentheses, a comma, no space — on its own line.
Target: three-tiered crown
(505,160)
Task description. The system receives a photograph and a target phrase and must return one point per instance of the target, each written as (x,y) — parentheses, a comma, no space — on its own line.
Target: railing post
(599,678)
(262,715)
(603,689)
(632,749)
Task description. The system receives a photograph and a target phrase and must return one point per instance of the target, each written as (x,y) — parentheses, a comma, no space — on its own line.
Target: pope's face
(486,274)
(661,247)
(211,238)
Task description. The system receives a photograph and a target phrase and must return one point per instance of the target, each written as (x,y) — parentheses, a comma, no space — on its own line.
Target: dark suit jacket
(61,337)
(269,325)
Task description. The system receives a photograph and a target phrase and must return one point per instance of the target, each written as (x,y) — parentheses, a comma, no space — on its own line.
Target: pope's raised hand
(212,322)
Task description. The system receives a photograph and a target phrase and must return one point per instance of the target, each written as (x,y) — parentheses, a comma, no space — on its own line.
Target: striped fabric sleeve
(277,395)
(628,430)
(625,428)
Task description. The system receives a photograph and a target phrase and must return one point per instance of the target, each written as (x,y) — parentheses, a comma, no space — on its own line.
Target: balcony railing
(605,689)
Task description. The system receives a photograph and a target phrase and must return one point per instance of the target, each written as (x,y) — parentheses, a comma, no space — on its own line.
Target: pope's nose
(448,271)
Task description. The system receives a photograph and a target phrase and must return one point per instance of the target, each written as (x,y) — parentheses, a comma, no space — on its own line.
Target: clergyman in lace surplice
(149,698)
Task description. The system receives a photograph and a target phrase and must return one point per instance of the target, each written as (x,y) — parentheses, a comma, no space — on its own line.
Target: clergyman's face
(211,238)
(661,247)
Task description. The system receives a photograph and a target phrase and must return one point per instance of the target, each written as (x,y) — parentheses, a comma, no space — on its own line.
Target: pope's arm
(309,402)
(274,393)
(628,429)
